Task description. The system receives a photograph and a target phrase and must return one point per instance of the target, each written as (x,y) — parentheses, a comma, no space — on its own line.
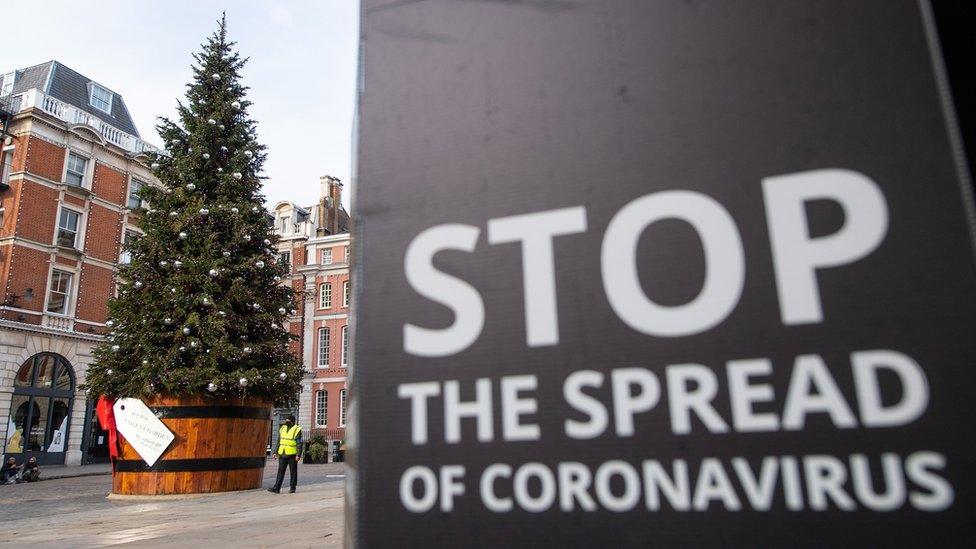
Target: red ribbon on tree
(106,418)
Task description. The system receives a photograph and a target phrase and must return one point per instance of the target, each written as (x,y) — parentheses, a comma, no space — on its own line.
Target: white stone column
(305,403)
(76,429)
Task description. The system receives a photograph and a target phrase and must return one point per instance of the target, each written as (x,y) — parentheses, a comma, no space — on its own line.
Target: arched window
(40,411)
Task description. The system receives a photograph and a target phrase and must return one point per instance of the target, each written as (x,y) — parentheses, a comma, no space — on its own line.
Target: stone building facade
(315,242)
(71,162)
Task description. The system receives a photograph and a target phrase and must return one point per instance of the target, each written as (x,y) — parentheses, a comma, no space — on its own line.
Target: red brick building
(71,161)
(314,241)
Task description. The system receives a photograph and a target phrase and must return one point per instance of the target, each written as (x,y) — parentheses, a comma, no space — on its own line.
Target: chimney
(330,201)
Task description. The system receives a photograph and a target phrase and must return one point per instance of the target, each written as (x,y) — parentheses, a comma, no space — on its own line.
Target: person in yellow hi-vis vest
(288,454)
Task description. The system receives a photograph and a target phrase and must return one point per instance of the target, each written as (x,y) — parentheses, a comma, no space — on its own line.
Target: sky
(302,69)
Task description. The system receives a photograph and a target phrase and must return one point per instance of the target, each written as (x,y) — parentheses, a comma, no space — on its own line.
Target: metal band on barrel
(189,465)
(200,412)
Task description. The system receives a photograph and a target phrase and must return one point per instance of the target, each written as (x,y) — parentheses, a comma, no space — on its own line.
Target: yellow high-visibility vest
(287,440)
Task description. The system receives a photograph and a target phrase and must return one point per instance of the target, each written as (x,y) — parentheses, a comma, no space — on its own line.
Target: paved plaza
(75,512)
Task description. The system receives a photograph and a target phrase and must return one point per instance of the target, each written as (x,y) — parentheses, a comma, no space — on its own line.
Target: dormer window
(7,83)
(100,98)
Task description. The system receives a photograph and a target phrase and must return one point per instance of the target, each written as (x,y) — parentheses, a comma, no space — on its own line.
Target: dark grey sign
(661,273)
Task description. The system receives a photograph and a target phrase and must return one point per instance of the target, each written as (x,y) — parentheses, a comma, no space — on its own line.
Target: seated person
(32,473)
(9,472)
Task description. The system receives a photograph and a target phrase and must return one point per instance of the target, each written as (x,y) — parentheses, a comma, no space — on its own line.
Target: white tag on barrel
(142,429)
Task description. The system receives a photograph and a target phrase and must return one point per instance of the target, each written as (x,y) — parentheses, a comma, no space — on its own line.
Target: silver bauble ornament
(174,214)
(182,349)
(238,175)
(236,104)
(234,210)
(247,238)
(212,387)
(194,344)
(221,313)
(259,264)
(163,263)
(282,376)
(215,76)
(220,170)
(247,349)
(167,321)
(137,284)
(110,323)
(223,148)
(186,330)
(242,382)
(226,253)
(212,122)
(177,263)
(190,187)
(183,235)
(213,272)
(206,301)
(204,211)
(255,306)
(248,154)
(277,278)
(109,371)
(221,127)
(255,209)
(294,312)
(115,347)
(145,361)
(155,165)
(206,156)
(281,310)
(172,290)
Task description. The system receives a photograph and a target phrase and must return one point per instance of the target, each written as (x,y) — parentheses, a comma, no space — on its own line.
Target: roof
(74,88)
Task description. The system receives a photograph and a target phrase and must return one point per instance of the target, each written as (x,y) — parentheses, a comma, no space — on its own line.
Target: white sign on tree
(142,429)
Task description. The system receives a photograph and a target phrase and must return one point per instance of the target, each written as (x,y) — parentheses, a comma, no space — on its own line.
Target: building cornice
(44,330)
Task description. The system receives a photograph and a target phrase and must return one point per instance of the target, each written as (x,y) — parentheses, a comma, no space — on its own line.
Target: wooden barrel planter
(220,446)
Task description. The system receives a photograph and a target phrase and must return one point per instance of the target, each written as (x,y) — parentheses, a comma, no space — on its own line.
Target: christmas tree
(200,305)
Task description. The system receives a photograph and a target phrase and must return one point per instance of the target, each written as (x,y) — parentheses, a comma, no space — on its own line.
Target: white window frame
(78,228)
(133,181)
(286,264)
(321,408)
(345,345)
(125,256)
(342,408)
(325,295)
(345,293)
(326,258)
(91,97)
(285,222)
(67,293)
(67,169)
(8,165)
(323,360)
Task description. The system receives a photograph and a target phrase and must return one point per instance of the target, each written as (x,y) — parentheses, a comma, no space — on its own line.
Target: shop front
(40,409)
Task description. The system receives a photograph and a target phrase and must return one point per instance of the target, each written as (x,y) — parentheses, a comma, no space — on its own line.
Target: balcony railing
(62,323)
(34,98)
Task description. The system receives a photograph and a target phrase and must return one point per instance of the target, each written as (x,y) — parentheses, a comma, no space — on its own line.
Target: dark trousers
(289,462)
